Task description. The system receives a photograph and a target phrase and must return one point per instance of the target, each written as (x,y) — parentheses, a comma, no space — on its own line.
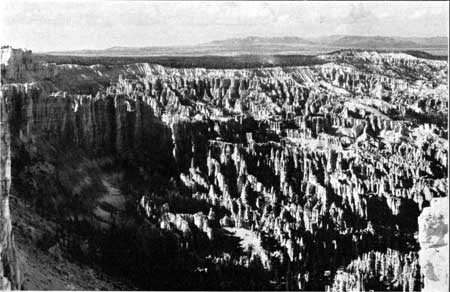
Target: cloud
(74,24)
(359,13)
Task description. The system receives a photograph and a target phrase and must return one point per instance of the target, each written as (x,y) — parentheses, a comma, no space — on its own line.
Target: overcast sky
(70,25)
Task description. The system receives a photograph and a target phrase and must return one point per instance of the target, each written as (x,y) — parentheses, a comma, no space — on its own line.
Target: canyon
(330,176)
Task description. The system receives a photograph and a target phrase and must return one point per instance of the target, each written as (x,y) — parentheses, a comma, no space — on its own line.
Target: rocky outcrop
(433,240)
(14,63)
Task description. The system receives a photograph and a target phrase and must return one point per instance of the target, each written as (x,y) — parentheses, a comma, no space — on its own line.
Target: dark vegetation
(208,62)
(424,55)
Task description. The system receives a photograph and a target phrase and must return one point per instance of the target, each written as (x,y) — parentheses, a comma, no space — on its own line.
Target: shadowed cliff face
(9,266)
(74,150)
(272,178)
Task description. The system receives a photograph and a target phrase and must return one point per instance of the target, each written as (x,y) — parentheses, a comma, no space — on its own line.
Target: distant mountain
(286,45)
(429,41)
(255,40)
(292,43)
(336,40)
(380,42)
(371,42)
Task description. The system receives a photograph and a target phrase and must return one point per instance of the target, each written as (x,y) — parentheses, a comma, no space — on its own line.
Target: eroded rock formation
(310,177)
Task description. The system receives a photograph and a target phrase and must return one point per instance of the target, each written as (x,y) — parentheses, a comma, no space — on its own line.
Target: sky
(72,25)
